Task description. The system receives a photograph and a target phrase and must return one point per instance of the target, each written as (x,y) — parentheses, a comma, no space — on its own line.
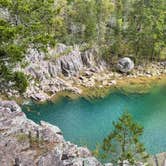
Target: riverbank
(80,73)
(92,84)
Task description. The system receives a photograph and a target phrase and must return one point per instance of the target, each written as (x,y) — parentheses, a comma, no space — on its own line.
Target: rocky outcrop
(66,68)
(46,71)
(125,65)
(23,142)
(69,61)
(66,60)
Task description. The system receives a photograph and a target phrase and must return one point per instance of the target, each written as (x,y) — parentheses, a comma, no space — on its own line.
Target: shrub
(21,81)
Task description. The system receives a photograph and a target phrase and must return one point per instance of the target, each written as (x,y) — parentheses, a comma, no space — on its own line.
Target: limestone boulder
(125,65)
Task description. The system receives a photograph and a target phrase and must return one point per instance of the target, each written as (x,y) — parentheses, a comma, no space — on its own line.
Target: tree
(114,41)
(87,19)
(21,82)
(25,24)
(123,143)
(137,28)
(146,28)
(81,21)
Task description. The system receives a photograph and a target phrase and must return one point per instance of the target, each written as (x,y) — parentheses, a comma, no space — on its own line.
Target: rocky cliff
(46,71)
(23,142)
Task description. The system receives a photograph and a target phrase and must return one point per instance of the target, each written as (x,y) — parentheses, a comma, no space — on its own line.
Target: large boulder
(125,65)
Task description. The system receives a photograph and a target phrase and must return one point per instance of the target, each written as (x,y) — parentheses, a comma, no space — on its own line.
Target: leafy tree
(146,28)
(87,19)
(137,28)
(20,81)
(104,11)
(81,21)
(123,143)
(114,43)
(25,24)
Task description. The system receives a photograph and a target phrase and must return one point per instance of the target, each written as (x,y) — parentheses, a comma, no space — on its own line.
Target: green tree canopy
(139,29)
(25,24)
(123,143)
(86,20)
(117,28)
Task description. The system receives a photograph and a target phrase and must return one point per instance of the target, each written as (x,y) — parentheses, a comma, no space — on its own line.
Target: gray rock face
(63,59)
(158,160)
(23,142)
(125,65)
(71,64)
(47,71)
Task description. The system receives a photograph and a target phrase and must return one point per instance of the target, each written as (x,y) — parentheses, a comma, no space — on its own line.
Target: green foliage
(21,82)
(86,20)
(119,28)
(24,24)
(123,143)
(21,137)
(146,24)
(138,29)
(81,21)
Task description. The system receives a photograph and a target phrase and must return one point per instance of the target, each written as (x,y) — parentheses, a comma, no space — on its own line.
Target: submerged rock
(125,65)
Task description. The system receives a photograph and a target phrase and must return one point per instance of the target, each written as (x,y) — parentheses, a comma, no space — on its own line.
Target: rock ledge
(23,142)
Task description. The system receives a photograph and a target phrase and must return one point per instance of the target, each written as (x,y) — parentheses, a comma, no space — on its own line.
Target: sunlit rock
(125,65)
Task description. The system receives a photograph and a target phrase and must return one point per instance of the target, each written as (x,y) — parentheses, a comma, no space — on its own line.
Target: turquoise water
(88,122)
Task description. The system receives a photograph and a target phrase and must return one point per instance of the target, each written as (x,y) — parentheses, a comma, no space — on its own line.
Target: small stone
(113,82)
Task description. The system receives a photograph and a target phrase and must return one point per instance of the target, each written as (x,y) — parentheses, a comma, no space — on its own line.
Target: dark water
(88,122)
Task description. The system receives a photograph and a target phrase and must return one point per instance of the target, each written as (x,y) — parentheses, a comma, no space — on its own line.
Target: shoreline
(78,73)
(139,85)
(91,84)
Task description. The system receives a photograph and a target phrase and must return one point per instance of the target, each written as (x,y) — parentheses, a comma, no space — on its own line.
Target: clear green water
(87,123)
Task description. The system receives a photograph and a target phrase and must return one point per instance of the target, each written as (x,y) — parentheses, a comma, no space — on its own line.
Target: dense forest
(134,28)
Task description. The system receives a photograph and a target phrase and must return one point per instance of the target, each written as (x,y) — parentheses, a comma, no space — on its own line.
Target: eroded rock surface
(158,160)
(69,68)
(66,60)
(46,71)
(23,142)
